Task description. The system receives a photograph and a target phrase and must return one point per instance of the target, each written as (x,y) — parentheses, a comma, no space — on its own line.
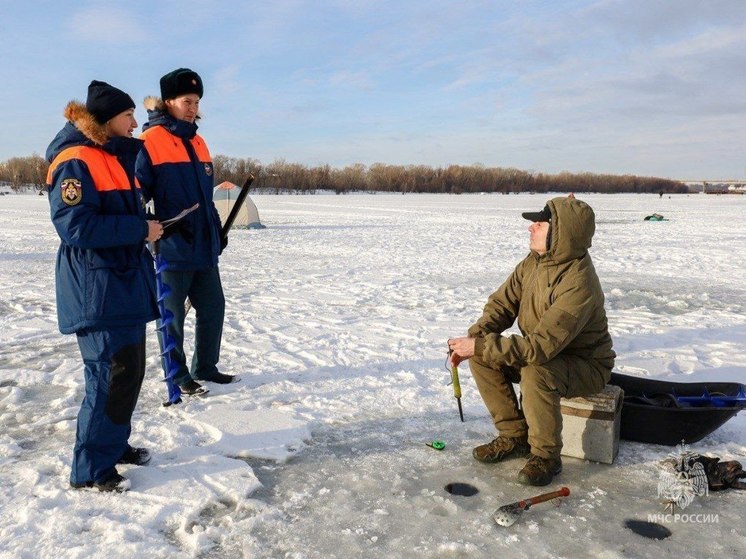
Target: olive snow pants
(542,386)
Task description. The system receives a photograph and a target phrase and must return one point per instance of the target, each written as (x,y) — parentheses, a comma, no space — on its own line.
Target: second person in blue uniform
(175,171)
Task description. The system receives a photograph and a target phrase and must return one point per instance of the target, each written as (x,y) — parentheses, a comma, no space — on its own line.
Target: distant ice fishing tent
(225,196)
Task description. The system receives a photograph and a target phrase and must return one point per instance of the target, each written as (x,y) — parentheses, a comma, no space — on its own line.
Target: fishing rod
(456,384)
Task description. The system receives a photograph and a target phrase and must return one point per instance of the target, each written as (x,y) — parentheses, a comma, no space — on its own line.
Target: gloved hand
(182,229)
(168,231)
(223,244)
(186,232)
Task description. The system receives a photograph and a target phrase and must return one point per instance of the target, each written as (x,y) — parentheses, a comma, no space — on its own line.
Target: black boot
(193,388)
(114,482)
(136,456)
(220,378)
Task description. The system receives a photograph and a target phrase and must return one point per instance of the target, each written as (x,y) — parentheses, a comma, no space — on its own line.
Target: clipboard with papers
(168,222)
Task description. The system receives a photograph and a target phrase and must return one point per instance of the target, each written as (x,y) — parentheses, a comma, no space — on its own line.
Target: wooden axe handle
(564,492)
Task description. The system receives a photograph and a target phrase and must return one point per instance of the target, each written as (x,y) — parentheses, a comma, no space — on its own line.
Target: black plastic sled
(662,412)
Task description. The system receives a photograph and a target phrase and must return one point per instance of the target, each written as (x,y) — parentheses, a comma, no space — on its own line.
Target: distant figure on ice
(105,281)
(564,351)
(175,171)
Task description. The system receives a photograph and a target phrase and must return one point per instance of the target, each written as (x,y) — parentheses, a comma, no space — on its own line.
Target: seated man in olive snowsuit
(564,351)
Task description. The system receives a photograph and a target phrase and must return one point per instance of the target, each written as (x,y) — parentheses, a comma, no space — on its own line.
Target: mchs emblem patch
(71,191)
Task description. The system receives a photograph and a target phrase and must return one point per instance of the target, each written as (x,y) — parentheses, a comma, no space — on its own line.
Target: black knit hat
(181,82)
(106,101)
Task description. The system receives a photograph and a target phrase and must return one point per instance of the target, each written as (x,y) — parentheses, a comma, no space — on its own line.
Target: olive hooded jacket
(556,298)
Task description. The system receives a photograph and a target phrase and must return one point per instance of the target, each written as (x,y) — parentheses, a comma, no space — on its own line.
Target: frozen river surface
(337,319)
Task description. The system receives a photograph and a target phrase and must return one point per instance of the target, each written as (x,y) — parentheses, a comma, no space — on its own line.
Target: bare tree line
(281,176)
(24,171)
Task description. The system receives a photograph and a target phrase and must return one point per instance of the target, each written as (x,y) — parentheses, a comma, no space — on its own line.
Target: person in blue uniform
(104,277)
(175,171)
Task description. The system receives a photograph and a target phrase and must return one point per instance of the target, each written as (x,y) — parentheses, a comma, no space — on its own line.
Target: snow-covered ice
(337,319)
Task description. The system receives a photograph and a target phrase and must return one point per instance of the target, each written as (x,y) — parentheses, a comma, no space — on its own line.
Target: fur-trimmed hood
(158,115)
(83,130)
(154,103)
(84,121)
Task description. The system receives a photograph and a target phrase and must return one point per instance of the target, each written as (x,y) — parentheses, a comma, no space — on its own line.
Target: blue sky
(645,87)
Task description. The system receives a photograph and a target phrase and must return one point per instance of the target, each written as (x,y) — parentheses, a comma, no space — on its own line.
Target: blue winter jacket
(175,171)
(104,273)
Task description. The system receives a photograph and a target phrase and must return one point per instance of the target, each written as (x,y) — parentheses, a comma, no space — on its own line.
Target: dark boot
(501,448)
(220,378)
(193,388)
(539,471)
(114,482)
(136,456)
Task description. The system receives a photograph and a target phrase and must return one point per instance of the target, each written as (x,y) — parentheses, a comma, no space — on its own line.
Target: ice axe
(508,514)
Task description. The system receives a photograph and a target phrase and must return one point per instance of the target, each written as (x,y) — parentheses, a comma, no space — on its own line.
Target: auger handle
(242,194)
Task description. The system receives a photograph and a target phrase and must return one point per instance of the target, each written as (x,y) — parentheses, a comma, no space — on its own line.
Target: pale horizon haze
(653,88)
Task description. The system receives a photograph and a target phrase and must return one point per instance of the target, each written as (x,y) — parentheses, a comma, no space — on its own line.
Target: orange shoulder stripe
(200,148)
(105,170)
(164,147)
